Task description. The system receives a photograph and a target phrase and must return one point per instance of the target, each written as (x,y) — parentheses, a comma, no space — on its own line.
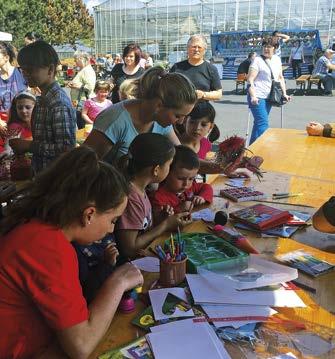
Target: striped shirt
(53,126)
(321,66)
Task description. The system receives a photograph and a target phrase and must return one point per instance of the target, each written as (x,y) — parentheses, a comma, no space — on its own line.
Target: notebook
(261,216)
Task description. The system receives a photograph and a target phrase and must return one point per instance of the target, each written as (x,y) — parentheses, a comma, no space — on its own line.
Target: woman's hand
(129,275)
(110,254)
(287,98)
(241,172)
(314,129)
(254,100)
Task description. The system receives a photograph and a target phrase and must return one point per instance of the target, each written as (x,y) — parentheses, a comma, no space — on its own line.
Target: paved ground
(232,110)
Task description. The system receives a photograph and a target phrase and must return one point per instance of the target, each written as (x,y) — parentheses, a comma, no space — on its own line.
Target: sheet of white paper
(206,214)
(200,341)
(157,297)
(206,292)
(229,312)
(184,324)
(148,264)
(310,344)
(269,273)
(285,356)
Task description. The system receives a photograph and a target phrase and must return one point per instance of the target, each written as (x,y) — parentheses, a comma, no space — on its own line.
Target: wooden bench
(314,81)
(301,81)
(241,80)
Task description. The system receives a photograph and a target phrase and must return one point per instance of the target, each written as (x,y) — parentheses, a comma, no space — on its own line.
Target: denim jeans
(260,113)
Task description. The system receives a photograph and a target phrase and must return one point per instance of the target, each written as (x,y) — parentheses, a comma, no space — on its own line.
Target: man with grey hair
(322,66)
(204,75)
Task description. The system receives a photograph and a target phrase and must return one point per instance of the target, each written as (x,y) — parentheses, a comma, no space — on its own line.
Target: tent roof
(5,36)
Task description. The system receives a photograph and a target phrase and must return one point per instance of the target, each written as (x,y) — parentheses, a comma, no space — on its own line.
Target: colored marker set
(174,250)
(306,262)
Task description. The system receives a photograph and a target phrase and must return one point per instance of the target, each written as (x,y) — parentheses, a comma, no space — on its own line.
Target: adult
(82,86)
(31,37)
(204,75)
(260,82)
(279,39)
(297,58)
(321,71)
(244,65)
(163,99)
(220,46)
(317,129)
(77,199)
(11,78)
(324,217)
(129,70)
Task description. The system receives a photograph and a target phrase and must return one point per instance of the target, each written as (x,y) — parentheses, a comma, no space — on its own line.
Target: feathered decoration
(232,155)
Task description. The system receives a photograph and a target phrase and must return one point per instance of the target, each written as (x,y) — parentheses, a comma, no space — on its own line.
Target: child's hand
(241,172)
(177,220)
(167,210)
(198,200)
(110,254)
(186,206)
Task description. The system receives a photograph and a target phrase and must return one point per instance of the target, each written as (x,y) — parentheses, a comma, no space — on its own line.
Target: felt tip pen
(285,195)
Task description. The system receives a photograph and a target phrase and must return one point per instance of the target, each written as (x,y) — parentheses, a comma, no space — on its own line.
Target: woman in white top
(259,78)
(82,86)
(297,58)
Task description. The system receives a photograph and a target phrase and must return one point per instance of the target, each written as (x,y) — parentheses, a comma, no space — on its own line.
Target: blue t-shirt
(116,123)
(10,87)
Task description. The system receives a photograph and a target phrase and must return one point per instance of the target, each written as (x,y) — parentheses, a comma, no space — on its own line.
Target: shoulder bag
(276,97)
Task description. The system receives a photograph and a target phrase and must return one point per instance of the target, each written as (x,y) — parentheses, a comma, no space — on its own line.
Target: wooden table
(303,170)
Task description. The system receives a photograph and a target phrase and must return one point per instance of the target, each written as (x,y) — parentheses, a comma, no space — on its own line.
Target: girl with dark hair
(11,78)
(20,113)
(54,118)
(78,198)
(163,100)
(198,125)
(149,159)
(297,58)
(130,69)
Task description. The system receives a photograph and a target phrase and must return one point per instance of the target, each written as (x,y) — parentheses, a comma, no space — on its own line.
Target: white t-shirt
(296,53)
(263,80)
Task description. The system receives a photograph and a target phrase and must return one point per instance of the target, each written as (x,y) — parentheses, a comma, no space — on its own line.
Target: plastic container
(172,273)
(213,253)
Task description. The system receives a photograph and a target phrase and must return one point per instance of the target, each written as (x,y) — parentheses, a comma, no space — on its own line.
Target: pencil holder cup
(172,273)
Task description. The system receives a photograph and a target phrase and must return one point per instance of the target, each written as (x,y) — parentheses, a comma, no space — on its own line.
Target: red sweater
(163,197)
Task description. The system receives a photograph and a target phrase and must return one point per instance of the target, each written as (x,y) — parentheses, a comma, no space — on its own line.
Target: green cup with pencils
(172,259)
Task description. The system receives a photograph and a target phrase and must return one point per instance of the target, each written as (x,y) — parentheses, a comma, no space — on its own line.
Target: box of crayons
(210,252)
(306,262)
(242,194)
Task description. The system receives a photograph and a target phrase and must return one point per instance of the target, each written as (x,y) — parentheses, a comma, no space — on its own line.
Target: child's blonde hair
(102,85)
(129,89)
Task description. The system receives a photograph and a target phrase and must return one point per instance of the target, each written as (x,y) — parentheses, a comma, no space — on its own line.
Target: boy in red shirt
(179,192)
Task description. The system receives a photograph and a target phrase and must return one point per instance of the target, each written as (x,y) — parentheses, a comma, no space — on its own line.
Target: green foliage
(58,21)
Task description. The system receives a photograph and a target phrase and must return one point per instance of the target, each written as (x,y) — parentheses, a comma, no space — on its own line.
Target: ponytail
(173,89)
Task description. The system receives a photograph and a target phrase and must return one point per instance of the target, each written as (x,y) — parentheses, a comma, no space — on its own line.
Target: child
(150,156)
(54,118)
(93,106)
(20,113)
(198,125)
(129,89)
(179,192)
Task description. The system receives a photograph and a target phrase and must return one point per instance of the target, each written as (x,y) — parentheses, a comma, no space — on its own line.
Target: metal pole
(213,6)
(236,14)
(330,21)
(289,14)
(276,10)
(261,15)
(316,14)
(302,13)
(146,26)
(248,15)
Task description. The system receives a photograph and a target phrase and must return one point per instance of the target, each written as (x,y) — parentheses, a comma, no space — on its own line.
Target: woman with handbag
(266,87)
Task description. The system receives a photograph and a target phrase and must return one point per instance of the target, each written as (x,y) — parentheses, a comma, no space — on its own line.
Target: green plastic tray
(210,252)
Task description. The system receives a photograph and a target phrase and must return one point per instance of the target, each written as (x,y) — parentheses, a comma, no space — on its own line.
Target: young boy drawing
(179,192)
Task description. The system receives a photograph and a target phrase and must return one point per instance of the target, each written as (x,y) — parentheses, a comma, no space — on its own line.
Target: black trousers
(328,82)
(296,65)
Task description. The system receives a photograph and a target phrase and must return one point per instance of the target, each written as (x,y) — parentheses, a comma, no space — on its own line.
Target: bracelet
(327,130)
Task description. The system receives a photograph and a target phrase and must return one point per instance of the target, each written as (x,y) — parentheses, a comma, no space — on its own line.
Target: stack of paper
(248,287)
(184,339)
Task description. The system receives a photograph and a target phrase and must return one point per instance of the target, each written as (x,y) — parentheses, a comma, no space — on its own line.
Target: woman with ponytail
(148,162)
(42,308)
(163,100)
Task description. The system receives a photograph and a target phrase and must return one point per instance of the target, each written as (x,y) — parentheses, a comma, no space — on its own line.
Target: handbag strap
(272,77)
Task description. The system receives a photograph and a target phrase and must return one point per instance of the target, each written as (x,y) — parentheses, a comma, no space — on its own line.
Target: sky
(91,3)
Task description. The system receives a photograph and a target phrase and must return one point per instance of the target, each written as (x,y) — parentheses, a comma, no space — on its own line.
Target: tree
(67,21)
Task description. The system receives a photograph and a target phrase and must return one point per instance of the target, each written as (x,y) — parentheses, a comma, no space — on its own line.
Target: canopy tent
(5,36)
